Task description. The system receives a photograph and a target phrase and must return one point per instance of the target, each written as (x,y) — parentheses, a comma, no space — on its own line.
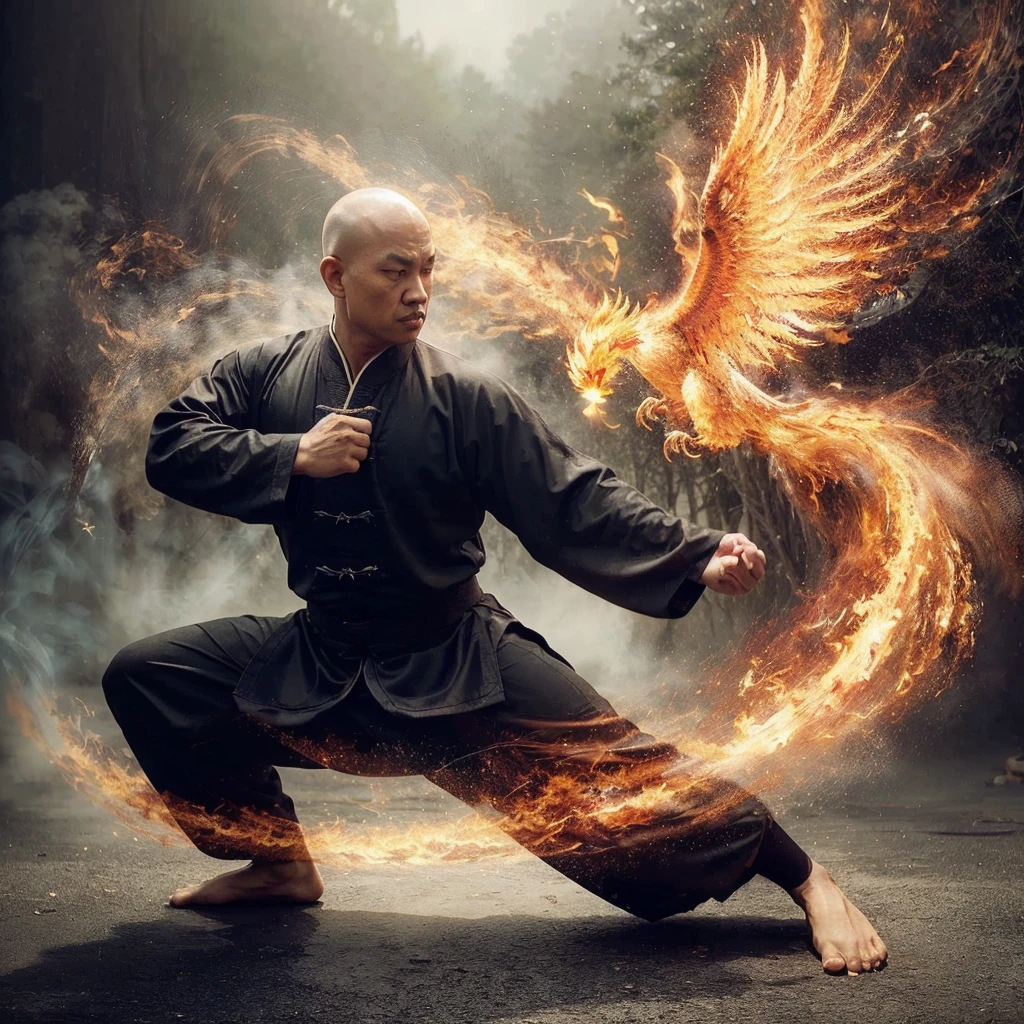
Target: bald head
(378,264)
(364,216)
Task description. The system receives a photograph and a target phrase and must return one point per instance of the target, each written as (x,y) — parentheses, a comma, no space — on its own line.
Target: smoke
(76,586)
(42,247)
(89,559)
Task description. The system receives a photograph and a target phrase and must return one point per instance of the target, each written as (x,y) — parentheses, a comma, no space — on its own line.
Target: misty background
(107,108)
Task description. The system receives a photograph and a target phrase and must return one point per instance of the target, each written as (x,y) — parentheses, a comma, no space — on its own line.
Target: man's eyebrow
(405,261)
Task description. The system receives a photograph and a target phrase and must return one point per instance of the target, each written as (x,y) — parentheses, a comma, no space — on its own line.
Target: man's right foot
(296,881)
(842,935)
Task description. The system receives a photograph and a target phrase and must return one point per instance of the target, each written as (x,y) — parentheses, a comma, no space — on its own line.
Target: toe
(832,960)
(183,897)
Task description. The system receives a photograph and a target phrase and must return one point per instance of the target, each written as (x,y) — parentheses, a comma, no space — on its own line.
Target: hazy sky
(478,30)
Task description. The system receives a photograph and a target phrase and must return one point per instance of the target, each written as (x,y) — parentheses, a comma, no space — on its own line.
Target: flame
(894,614)
(497,276)
(605,258)
(574,804)
(830,189)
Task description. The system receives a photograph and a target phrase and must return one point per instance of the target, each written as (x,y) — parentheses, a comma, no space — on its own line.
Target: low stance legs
(172,696)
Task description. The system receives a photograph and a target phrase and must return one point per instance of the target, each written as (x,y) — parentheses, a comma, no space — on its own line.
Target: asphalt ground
(930,853)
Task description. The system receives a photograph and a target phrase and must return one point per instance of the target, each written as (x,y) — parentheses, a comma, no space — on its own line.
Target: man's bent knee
(125,669)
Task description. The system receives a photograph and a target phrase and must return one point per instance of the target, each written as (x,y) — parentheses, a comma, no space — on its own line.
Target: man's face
(386,281)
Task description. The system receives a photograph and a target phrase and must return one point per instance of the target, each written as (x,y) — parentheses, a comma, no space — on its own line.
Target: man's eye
(393,273)
(428,270)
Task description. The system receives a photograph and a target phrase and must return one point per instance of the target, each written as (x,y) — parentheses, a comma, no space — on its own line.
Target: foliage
(665,63)
(584,39)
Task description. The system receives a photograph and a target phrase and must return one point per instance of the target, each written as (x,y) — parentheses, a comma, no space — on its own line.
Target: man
(375,457)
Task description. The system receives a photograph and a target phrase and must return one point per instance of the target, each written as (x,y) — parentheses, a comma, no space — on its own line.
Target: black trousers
(570,778)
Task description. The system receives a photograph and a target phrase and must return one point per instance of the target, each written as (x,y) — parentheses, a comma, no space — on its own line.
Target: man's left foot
(842,935)
(260,882)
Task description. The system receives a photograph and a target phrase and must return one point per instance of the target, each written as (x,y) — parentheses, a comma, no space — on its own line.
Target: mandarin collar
(380,369)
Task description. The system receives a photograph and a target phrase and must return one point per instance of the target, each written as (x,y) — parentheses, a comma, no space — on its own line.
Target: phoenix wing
(831,189)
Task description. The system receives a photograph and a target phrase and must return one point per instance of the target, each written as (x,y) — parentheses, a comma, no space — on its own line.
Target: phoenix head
(594,357)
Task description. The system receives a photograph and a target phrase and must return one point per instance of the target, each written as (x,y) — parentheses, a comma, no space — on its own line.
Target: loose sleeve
(205,452)
(577,517)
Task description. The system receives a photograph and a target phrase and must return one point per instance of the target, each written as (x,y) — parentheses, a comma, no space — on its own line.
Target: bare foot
(295,881)
(841,934)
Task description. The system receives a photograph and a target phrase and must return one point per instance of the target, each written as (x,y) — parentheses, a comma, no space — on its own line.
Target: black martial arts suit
(399,664)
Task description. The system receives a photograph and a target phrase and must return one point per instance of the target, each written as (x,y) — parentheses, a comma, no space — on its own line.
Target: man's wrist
(696,571)
(300,464)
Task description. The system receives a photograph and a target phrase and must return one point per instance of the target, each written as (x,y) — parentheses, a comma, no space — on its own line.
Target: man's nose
(416,293)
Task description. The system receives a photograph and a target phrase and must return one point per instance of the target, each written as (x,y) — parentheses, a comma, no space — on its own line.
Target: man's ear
(332,271)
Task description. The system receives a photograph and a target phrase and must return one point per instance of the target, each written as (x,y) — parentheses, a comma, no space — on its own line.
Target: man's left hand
(735,567)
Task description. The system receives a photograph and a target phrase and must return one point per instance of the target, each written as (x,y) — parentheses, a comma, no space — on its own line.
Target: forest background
(111,102)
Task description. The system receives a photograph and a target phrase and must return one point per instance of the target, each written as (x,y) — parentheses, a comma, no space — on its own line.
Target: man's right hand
(336,444)
(735,567)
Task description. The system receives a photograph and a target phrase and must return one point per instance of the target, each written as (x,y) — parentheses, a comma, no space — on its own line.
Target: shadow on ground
(257,964)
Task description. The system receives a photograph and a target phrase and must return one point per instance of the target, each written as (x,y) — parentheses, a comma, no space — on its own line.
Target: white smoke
(41,245)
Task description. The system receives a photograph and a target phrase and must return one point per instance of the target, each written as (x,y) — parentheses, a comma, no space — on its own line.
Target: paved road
(934,856)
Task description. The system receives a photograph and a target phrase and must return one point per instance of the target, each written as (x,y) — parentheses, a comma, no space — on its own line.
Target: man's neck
(356,352)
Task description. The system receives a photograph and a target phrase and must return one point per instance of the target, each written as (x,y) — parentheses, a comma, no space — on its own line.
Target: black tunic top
(386,557)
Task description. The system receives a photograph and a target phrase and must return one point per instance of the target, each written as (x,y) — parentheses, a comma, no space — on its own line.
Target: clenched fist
(735,567)
(336,444)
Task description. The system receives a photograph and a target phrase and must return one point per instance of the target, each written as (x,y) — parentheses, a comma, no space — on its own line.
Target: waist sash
(411,627)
